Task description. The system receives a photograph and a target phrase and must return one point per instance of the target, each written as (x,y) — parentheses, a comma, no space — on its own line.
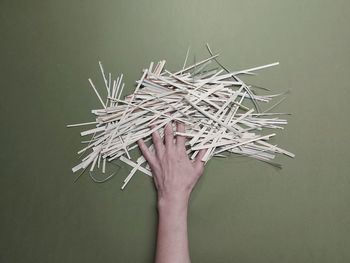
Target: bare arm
(174,175)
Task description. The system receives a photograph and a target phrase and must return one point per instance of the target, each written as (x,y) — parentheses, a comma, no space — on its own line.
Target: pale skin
(175,175)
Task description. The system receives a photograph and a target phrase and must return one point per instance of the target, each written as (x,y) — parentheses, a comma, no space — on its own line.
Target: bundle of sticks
(220,111)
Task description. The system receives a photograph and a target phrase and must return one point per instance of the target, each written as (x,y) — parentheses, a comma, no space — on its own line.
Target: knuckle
(168,132)
(155,139)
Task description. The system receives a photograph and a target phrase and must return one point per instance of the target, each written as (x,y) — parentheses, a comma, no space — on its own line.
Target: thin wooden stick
(217,108)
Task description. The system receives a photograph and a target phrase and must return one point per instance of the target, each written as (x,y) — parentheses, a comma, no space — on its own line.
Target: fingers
(169,135)
(158,142)
(198,161)
(150,158)
(180,140)
(146,152)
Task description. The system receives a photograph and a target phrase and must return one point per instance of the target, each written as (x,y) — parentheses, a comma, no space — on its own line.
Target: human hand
(175,175)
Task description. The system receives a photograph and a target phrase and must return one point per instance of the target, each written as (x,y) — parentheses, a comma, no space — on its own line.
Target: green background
(242,210)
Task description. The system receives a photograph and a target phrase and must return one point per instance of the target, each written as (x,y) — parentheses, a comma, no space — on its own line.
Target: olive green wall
(242,210)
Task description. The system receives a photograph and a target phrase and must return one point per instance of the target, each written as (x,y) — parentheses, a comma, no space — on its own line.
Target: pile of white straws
(220,111)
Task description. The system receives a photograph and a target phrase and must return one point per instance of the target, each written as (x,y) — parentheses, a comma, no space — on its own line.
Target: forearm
(172,240)
(175,175)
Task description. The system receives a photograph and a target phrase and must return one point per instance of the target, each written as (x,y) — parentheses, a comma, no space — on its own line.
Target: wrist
(173,203)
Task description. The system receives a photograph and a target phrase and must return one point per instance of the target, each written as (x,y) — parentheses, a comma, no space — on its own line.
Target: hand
(174,173)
